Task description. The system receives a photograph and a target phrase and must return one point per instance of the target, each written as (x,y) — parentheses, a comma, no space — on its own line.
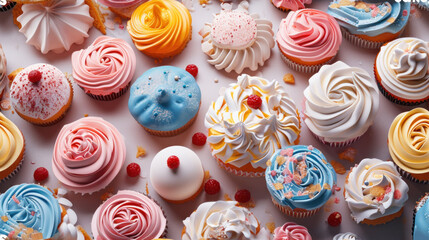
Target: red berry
(242,196)
(41,174)
(133,170)
(199,139)
(34,76)
(192,69)
(212,187)
(173,162)
(334,219)
(254,101)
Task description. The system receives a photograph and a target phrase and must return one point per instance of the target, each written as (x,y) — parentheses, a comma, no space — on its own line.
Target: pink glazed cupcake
(291,231)
(105,69)
(88,154)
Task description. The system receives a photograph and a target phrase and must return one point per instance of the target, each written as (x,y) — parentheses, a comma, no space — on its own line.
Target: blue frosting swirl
(300,177)
(31,205)
(421,226)
(164,98)
(363,18)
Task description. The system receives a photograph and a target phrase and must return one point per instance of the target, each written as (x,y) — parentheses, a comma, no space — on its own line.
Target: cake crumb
(249,204)
(85,115)
(5,105)
(106,196)
(13,112)
(216,80)
(141,152)
(206,175)
(271,227)
(391,20)
(117,20)
(338,167)
(147,188)
(349,154)
(289,78)
(226,197)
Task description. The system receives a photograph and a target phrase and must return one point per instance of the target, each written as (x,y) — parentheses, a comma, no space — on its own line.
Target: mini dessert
(105,69)
(308,38)
(420,223)
(300,180)
(12,148)
(165,100)
(401,70)
(407,141)
(128,215)
(123,8)
(370,24)
(237,40)
(291,231)
(41,94)
(341,103)
(223,220)
(176,174)
(375,192)
(3,72)
(160,28)
(292,5)
(346,236)
(249,122)
(30,211)
(88,154)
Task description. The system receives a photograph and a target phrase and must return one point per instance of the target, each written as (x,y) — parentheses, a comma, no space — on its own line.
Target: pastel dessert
(123,8)
(308,38)
(179,182)
(160,28)
(237,40)
(291,231)
(300,180)
(223,220)
(41,94)
(3,72)
(165,100)
(346,236)
(401,70)
(128,215)
(88,154)
(12,147)
(375,192)
(341,103)
(292,5)
(249,122)
(370,24)
(105,69)
(420,229)
(408,145)
(30,211)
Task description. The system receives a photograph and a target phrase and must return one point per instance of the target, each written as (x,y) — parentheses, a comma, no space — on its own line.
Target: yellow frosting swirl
(11,143)
(160,28)
(409,141)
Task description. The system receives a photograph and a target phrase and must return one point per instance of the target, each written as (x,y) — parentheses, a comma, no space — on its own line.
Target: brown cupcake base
(305,68)
(297,212)
(111,96)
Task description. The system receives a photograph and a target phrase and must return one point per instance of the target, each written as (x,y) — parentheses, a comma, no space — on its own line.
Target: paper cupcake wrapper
(238,172)
(408,175)
(9,5)
(111,96)
(335,144)
(395,100)
(305,68)
(424,198)
(13,173)
(360,42)
(295,214)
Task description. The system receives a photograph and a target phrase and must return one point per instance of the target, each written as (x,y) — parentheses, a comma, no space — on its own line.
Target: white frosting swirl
(67,230)
(223,220)
(375,189)
(345,236)
(402,65)
(341,102)
(250,55)
(3,73)
(56,25)
(239,134)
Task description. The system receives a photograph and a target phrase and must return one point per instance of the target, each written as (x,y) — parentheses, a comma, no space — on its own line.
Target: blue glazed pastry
(165,100)
(420,223)
(370,24)
(300,180)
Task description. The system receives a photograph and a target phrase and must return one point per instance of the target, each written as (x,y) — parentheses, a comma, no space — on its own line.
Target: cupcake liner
(111,96)
(238,172)
(17,169)
(360,42)
(335,144)
(420,203)
(9,5)
(305,68)
(409,176)
(295,214)
(393,99)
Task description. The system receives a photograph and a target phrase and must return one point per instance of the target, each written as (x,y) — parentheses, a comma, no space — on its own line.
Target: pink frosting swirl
(291,4)
(128,215)
(291,231)
(121,3)
(310,35)
(88,154)
(105,67)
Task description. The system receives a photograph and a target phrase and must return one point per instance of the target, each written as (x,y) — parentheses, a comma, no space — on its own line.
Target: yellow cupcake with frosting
(11,148)
(160,28)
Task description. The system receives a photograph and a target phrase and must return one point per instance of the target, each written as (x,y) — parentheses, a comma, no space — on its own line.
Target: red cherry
(212,187)
(334,219)
(133,170)
(199,139)
(173,162)
(34,76)
(41,174)
(192,69)
(242,196)
(254,101)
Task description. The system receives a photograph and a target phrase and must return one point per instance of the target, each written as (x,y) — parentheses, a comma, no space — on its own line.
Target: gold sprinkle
(268,163)
(324,161)
(366,167)
(86,115)
(278,186)
(4,218)
(140,152)
(391,20)
(280,160)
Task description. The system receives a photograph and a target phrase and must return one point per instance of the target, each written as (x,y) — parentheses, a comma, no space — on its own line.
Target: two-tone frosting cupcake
(12,148)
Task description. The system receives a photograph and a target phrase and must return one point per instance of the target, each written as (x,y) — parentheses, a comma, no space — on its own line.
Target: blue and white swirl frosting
(31,205)
(300,177)
(164,98)
(371,18)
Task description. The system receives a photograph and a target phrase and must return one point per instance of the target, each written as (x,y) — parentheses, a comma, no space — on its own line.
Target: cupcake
(420,222)
(308,38)
(237,40)
(88,154)
(300,180)
(401,71)
(30,211)
(176,174)
(371,24)
(3,72)
(249,122)
(105,69)
(223,220)
(291,231)
(41,94)
(407,144)
(160,28)
(165,100)
(375,192)
(6,5)
(12,148)
(340,104)
(292,5)
(346,236)
(121,7)
(128,215)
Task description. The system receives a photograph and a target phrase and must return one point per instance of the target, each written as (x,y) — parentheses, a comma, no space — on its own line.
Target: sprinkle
(288,152)
(338,167)
(271,227)
(15,199)
(289,78)
(278,186)
(326,186)
(4,218)
(366,183)
(11,233)
(287,180)
(391,20)
(280,160)
(310,147)
(147,188)
(140,152)
(337,200)
(268,163)
(216,80)
(324,161)
(366,167)
(226,197)
(337,188)
(33,213)
(273,173)
(121,26)
(86,115)
(288,195)
(207,175)
(176,78)
(405,13)
(348,154)
(397,194)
